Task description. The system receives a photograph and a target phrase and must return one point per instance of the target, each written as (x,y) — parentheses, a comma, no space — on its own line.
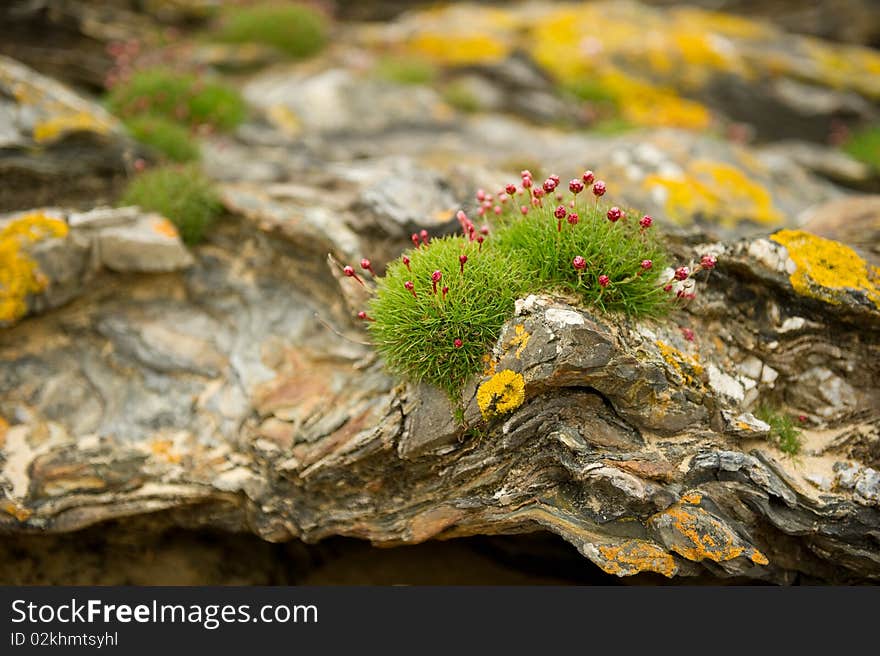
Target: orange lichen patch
(827,269)
(164,450)
(53,128)
(166,228)
(4,427)
(15,510)
(502,393)
(19,273)
(717,190)
(687,367)
(520,340)
(634,556)
(696,535)
(693,498)
(489,364)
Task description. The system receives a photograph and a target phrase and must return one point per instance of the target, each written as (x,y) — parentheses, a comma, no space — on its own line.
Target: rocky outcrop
(237,398)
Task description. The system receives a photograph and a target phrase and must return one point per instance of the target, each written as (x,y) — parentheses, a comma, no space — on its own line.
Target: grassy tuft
(783,431)
(416,335)
(405,70)
(460,96)
(864,145)
(615,250)
(182,194)
(170,139)
(296,30)
(179,97)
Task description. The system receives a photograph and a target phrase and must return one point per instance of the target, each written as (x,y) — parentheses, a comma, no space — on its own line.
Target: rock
(853,220)
(337,102)
(824,161)
(44,128)
(151,244)
(745,425)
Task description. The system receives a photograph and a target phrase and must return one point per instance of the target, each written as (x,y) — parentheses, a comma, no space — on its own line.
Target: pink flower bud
(667,288)
(599,188)
(646,264)
(510,189)
(549,185)
(497,209)
(555,179)
(708,261)
(363,316)
(573,218)
(480,244)
(688,334)
(445,291)
(435,278)
(484,230)
(457,343)
(579,263)
(524,209)
(575,186)
(349,271)
(414,238)
(646,222)
(365,264)
(525,173)
(539,192)
(410,287)
(604,280)
(560,212)
(461,260)
(406,262)
(424,235)
(481,195)
(615,214)
(682,273)
(588,177)
(527,182)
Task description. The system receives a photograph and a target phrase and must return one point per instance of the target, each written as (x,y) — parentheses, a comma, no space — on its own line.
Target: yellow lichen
(19,273)
(717,190)
(688,367)
(693,498)
(633,556)
(502,393)
(827,269)
(52,128)
(520,340)
(489,365)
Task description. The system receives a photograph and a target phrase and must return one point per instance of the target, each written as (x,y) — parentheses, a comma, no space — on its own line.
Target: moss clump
(783,431)
(167,138)
(461,96)
(296,30)
(179,97)
(180,193)
(410,70)
(416,331)
(547,246)
(864,145)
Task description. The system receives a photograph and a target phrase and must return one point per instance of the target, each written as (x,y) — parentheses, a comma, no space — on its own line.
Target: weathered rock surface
(54,144)
(223,394)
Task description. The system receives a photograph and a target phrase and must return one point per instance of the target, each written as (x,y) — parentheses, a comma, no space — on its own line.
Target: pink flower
(414,238)
(555,179)
(510,189)
(646,264)
(461,260)
(484,230)
(549,185)
(527,181)
(410,287)
(457,343)
(365,265)
(435,278)
(615,214)
(588,177)
(682,273)
(575,186)
(424,235)
(579,263)
(708,261)
(497,209)
(481,195)
(363,316)
(406,262)
(444,291)
(573,218)
(646,222)
(525,173)
(688,334)
(480,244)
(524,209)
(560,212)
(349,271)
(604,280)
(598,188)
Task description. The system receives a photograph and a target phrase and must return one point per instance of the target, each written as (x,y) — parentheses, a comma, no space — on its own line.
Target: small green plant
(589,90)
(294,29)
(460,96)
(181,193)
(405,70)
(170,139)
(179,97)
(864,145)
(438,310)
(442,305)
(783,431)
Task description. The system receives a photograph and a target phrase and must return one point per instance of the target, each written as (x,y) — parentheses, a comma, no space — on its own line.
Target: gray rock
(150,244)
